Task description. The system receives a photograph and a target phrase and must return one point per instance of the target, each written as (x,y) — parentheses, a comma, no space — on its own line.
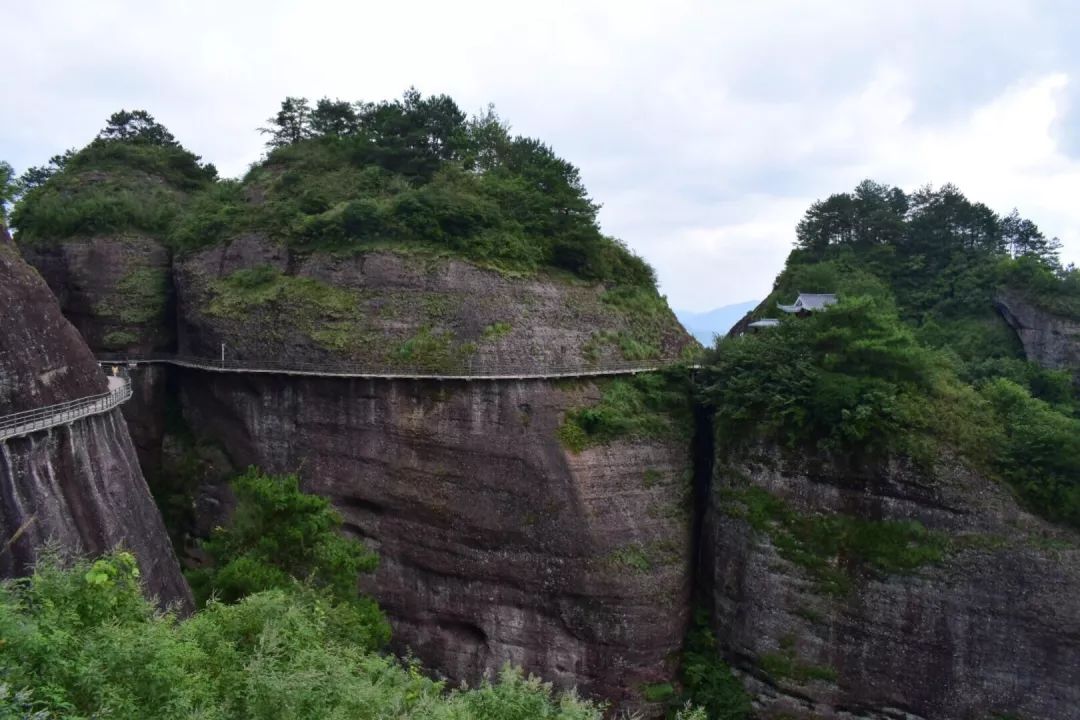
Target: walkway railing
(400,370)
(28,421)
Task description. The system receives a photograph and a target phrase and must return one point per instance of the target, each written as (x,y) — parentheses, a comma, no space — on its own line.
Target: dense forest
(415,173)
(914,359)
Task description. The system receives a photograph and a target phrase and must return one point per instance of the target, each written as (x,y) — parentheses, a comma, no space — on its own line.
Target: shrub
(81,641)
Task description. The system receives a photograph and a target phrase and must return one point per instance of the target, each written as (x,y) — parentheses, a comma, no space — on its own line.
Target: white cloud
(704,127)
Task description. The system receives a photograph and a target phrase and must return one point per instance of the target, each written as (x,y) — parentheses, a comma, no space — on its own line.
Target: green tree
(137,126)
(8,189)
(37,176)
(290,125)
(277,535)
(80,641)
(334,118)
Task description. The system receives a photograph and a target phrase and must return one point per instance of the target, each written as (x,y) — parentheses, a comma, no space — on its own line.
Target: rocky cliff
(78,485)
(497,542)
(1051,340)
(889,592)
(390,309)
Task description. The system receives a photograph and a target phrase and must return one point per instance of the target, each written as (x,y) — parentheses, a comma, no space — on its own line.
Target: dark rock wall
(77,486)
(992,631)
(117,291)
(495,543)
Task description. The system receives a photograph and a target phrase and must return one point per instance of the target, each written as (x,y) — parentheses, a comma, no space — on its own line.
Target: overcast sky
(704,128)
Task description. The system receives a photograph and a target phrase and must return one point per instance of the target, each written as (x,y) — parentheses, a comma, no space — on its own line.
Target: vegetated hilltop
(95,224)
(543,523)
(896,495)
(917,355)
(399,232)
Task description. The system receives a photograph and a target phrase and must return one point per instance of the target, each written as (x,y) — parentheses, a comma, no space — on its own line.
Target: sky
(705,129)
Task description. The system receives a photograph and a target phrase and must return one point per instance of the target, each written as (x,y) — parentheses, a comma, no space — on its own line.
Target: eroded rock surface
(1052,341)
(496,544)
(990,630)
(79,485)
(389,309)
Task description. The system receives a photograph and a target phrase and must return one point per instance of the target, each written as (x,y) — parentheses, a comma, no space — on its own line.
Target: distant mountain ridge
(704,325)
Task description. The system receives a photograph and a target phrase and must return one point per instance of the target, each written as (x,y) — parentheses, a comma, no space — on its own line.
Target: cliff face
(1050,340)
(117,291)
(78,485)
(834,606)
(389,309)
(496,544)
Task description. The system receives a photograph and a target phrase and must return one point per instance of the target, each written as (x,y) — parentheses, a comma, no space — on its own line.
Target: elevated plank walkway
(467,372)
(29,421)
(43,418)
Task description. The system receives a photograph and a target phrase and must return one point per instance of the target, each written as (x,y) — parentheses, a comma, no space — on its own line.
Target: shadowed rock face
(1052,341)
(992,630)
(495,543)
(116,291)
(78,486)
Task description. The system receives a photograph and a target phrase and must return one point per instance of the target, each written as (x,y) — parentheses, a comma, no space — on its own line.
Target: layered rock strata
(975,615)
(77,486)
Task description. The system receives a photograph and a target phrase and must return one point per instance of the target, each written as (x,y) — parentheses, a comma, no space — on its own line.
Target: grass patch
(119,339)
(433,350)
(832,547)
(632,557)
(329,315)
(139,297)
(658,692)
(496,330)
(649,405)
(785,666)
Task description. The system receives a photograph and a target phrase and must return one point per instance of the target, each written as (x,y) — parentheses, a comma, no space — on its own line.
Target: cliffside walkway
(401,372)
(28,421)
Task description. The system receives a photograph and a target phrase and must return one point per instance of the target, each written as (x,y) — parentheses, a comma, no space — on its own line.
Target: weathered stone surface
(79,485)
(496,544)
(1052,341)
(992,631)
(454,312)
(117,291)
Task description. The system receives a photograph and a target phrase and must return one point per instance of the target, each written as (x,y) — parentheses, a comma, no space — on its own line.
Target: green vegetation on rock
(707,679)
(649,405)
(832,547)
(414,173)
(914,359)
(133,177)
(140,297)
(80,641)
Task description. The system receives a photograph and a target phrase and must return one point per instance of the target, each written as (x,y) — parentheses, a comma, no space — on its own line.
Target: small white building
(807,303)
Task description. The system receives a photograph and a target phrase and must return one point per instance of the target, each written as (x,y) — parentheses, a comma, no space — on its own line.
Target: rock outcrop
(973,615)
(78,485)
(497,543)
(386,309)
(1052,341)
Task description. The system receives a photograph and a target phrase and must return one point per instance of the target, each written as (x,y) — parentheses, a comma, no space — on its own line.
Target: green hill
(914,359)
